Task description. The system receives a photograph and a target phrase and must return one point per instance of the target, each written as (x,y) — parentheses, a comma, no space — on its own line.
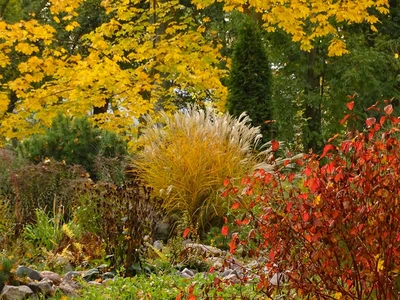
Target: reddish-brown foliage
(335,232)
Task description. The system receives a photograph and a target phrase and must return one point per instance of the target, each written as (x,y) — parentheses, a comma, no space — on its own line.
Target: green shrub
(6,265)
(187,160)
(76,141)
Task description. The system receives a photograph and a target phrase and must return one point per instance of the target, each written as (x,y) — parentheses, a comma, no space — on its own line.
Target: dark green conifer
(250,78)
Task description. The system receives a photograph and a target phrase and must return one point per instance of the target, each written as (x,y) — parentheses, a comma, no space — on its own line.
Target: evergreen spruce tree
(250,78)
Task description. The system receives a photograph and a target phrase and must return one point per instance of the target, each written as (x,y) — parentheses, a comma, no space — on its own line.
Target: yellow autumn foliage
(187,160)
(165,51)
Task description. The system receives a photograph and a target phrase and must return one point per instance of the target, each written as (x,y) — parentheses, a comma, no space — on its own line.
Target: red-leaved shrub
(335,232)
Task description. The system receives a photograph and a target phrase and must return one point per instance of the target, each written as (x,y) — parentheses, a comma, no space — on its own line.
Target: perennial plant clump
(335,232)
(187,158)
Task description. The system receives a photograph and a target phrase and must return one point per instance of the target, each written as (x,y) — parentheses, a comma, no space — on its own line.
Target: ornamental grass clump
(187,159)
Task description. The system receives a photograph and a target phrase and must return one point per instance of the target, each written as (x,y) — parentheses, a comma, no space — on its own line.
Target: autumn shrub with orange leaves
(335,232)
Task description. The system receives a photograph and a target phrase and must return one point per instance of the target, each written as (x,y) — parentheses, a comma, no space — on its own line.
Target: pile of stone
(31,283)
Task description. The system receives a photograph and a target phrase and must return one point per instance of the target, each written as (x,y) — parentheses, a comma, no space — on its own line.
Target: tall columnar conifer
(250,78)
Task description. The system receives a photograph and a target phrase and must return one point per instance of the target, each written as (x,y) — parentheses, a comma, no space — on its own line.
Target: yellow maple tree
(136,62)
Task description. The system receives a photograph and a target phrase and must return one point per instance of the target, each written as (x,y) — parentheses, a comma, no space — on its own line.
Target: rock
(54,277)
(185,275)
(163,230)
(158,245)
(204,249)
(188,271)
(67,290)
(108,275)
(16,292)
(278,279)
(226,273)
(102,268)
(71,275)
(91,275)
(44,287)
(216,262)
(94,283)
(23,271)
(232,278)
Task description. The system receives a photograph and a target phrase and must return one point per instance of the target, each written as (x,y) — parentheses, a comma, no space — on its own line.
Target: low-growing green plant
(187,159)
(168,286)
(6,267)
(76,141)
(46,232)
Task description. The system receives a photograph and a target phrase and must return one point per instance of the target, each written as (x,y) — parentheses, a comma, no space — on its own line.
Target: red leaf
(326,149)
(225,220)
(286,162)
(225,193)
(275,145)
(330,168)
(388,109)
(179,297)
(252,234)
(272,255)
(306,216)
(227,181)
(344,119)
(338,177)
(382,120)
(291,177)
(332,138)
(249,191)
(352,96)
(395,120)
(346,146)
(224,230)
(186,232)
(350,105)
(373,107)
(370,121)
(235,205)
(313,184)
(233,243)
(289,206)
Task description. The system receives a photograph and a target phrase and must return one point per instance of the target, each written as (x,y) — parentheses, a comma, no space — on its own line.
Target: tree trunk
(312,112)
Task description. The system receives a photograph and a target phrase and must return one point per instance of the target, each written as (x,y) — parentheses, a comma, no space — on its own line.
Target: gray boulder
(23,271)
(44,287)
(54,277)
(16,292)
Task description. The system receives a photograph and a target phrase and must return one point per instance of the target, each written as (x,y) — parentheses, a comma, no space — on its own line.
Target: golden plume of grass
(187,159)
